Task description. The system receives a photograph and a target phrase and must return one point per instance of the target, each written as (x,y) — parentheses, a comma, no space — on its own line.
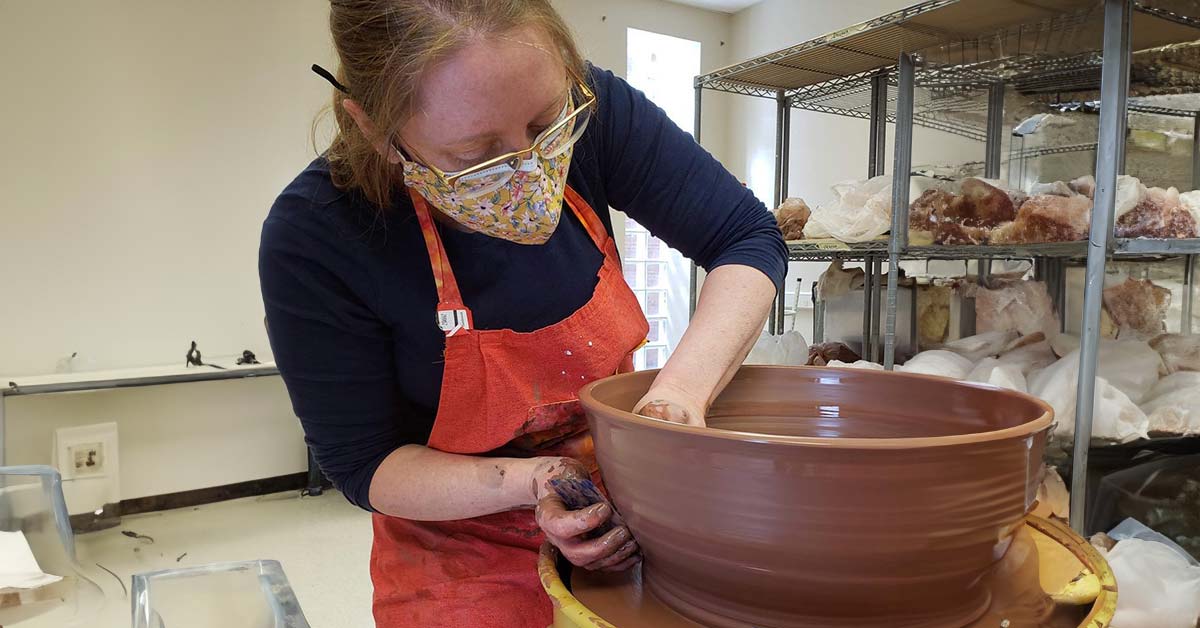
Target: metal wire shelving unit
(946,65)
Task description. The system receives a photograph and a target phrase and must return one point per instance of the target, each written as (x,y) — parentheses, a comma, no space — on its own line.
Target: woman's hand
(616,550)
(670,403)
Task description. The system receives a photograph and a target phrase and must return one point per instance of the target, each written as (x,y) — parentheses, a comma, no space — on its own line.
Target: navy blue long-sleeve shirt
(350,297)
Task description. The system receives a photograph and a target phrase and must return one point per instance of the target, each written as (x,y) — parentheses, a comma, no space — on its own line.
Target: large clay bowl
(823,497)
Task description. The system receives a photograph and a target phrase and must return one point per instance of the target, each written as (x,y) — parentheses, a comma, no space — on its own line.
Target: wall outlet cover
(87,458)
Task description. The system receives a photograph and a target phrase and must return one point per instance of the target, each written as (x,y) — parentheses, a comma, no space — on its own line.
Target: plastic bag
(938,362)
(1131,528)
(1021,306)
(835,281)
(787,349)
(1173,404)
(1163,492)
(1179,352)
(1114,416)
(991,371)
(1130,365)
(1030,357)
(1062,344)
(861,364)
(861,211)
(980,346)
(1157,587)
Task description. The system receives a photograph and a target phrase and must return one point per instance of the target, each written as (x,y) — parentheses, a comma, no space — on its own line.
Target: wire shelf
(828,249)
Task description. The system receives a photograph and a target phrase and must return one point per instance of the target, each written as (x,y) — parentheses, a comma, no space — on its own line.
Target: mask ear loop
(328,76)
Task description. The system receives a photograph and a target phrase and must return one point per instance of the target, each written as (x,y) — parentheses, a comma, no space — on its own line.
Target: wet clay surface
(823,497)
(622,599)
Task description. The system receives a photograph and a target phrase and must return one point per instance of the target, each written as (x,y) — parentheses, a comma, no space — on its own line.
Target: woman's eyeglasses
(496,172)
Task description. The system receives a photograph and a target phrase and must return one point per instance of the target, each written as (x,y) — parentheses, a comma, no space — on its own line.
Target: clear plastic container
(249,594)
(1163,494)
(31,501)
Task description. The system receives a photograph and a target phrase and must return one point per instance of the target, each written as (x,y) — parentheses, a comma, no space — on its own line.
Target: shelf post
(995,131)
(901,167)
(1189,269)
(1114,88)
(877,153)
(774,324)
(868,306)
(1196,152)
(876,269)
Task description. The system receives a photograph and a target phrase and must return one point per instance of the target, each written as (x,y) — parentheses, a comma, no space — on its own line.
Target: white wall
(600,28)
(825,148)
(145,141)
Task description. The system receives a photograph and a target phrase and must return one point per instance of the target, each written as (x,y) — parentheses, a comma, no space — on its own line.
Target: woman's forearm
(423,484)
(729,317)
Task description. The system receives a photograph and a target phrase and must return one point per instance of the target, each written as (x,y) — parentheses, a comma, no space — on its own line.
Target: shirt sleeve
(334,354)
(663,179)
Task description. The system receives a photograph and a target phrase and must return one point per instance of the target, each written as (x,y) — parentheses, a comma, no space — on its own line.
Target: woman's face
(494,96)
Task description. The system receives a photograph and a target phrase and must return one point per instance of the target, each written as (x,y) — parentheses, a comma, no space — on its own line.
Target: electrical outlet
(86,456)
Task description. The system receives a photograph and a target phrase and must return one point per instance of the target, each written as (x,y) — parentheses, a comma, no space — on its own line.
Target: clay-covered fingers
(625,557)
(614,547)
(559,523)
(565,530)
(667,411)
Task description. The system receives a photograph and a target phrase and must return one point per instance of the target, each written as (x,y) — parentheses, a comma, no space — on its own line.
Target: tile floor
(322,542)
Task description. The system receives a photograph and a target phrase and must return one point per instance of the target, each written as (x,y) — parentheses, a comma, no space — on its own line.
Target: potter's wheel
(1043,557)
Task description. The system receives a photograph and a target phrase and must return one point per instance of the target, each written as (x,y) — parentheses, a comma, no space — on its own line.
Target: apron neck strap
(443,276)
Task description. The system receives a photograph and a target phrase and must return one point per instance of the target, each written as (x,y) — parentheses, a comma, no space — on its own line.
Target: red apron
(503,393)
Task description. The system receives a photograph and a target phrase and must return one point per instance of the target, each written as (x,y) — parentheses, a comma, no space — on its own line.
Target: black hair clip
(325,74)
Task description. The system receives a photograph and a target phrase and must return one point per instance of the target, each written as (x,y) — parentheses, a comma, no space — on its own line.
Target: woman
(442,281)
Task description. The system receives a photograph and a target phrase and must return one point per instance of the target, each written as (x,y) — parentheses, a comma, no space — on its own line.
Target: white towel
(18,568)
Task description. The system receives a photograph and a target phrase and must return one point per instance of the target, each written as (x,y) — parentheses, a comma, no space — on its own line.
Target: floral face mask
(520,201)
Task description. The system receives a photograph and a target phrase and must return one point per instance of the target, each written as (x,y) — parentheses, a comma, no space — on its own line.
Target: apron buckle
(453,321)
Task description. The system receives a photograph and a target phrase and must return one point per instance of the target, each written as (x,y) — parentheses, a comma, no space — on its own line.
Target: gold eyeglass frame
(452,177)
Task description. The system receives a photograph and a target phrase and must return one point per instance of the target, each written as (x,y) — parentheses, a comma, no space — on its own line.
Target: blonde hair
(385,47)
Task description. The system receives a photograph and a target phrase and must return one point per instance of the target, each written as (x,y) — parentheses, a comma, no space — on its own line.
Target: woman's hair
(385,48)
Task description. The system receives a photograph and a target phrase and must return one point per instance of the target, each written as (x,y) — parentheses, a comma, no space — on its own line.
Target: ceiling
(723,6)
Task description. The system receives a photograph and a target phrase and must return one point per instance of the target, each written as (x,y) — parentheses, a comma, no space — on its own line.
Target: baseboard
(111,514)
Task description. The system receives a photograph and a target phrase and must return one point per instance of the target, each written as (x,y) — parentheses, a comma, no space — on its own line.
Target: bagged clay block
(1021,306)
(1139,306)
(792,215)
(826,352)
(1158,214)
(1047,218)
(1180,352)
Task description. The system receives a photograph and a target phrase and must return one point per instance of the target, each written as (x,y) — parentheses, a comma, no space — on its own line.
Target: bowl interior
(811,402)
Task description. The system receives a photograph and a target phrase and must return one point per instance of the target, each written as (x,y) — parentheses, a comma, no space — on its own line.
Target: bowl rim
(1028,428)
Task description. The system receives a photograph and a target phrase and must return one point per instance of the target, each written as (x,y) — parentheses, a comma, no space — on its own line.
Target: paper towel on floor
(18,567)
(1157,588)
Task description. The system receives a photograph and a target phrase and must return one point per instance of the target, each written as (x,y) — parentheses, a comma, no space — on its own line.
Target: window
(662,67)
